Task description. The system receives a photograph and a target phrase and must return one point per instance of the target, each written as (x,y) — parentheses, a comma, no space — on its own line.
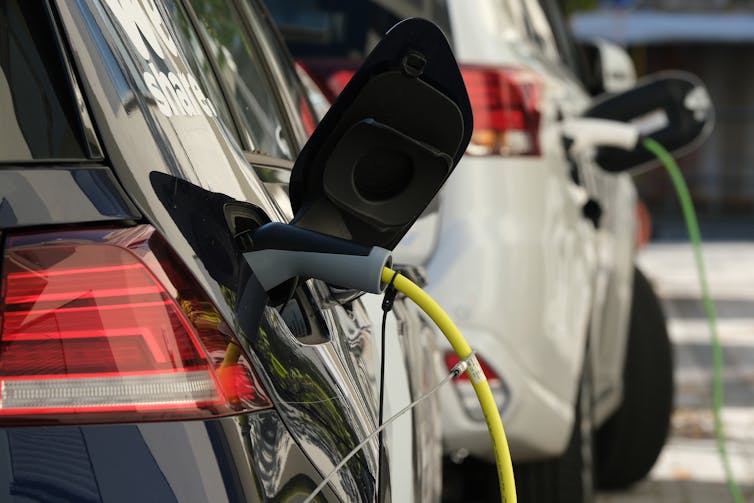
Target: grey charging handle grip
(283,251)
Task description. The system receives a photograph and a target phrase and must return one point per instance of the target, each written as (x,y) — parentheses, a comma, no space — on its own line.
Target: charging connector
(282,251)
(588,134)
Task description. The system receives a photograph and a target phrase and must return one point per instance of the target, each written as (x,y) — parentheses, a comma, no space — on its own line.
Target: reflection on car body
(141,119)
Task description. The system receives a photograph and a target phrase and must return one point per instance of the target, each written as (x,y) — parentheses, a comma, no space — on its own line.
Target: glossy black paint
(51,196)
(305,393)
(165,462)
(324,393)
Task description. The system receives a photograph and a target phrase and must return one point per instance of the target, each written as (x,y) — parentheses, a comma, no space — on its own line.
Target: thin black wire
(387,306)
(382,402)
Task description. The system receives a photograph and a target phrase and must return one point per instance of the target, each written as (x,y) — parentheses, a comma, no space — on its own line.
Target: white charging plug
(588,134)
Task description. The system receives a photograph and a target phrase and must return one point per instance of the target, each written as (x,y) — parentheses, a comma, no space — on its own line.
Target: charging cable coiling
(709,306)
(478,380)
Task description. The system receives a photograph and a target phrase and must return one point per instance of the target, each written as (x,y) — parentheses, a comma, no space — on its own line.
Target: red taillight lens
(465,390)
(338,80)
(505,103)
(108,326)
(451,359)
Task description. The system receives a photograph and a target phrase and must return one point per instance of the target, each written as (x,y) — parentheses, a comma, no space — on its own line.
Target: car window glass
(540,31)
(38,114)
(509,17)
(306,115)
(160,96)
(245,76)
(199,64)
(314,27)
(563,36)
(347,28)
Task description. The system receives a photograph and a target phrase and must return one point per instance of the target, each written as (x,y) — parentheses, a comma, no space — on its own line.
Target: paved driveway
(689,469)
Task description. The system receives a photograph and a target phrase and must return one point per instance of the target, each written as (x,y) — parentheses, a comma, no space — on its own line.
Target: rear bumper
(513,265)
(243,458)
(536,422)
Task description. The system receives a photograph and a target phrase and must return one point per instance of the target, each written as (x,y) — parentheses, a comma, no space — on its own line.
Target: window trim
(247,141)
(563,38)
(84,126)
(240,133)
(92,145)
(249,17)
(287,99)
(268,161)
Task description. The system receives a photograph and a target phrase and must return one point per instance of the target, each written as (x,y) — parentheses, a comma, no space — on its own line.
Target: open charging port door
(388,143)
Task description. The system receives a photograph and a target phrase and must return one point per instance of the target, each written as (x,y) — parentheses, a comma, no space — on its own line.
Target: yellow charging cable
(478,380)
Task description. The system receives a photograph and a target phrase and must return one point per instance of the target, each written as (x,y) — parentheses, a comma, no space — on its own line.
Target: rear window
(347,28)
(38,114)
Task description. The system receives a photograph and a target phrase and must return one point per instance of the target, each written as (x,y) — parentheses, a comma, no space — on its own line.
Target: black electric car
(142,142)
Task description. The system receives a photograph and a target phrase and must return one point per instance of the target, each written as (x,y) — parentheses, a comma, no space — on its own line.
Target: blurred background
(715,40)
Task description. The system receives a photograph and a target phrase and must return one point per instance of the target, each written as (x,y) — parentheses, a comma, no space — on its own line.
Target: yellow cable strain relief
(478,380)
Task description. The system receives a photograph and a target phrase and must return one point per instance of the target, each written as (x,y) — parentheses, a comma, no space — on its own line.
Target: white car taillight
(505,103)
(107,325)
(465,390)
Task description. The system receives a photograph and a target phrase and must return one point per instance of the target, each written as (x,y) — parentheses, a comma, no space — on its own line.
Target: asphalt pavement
(689,469)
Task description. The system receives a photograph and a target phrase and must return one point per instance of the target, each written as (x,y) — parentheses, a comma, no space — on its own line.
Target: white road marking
(731,331)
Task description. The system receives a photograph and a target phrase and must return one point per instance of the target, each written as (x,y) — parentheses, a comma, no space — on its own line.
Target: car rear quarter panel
(246,458)
(326,407)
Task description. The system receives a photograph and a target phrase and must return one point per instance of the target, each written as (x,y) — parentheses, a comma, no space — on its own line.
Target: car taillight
(505,103)
(338,80)
(465,390)
(451,360)
(108,326)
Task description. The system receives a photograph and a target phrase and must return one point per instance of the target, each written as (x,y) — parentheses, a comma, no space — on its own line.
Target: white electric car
(530,247)
(512,254)
(532,250)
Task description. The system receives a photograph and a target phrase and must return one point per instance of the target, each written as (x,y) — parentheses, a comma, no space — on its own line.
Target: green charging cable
(709,306)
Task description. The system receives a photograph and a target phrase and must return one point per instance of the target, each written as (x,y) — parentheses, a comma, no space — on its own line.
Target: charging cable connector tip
(462,366)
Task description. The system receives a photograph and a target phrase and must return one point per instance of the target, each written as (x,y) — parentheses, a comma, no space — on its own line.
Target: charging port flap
(389,142)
